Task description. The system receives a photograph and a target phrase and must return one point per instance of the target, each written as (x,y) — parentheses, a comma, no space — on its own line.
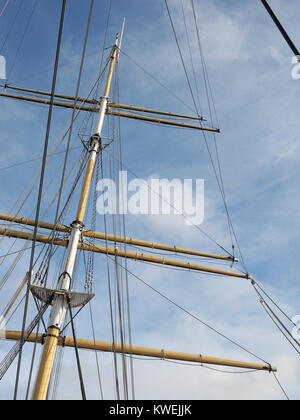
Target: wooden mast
(60,305)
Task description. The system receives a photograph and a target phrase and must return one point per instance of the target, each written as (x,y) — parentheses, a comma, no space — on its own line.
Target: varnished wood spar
(111,112)
(140,351)
(47,102)
(124,254)
(56,95)
(110,104)
(115,238)
(154,111)
(161,121)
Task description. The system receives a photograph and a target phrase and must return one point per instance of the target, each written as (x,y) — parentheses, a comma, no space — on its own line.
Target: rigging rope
(22,39)
(219,181)
(4,7)
(124,233)
(38,207)
(91,7)
(35,160)
(114,355)
(278,323)
(171,205)
(96,353)
(11,26)
(13,353)
(192,315)
(77,354)
(280,386)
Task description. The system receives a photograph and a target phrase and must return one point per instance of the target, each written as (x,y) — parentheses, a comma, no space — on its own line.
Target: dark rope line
(214,369)
(120,301)
(96,353)
(276,305)
(280,386)
(22,39)
(83,393)
(127,291)
(34,160)
(192,315)
(155,79)
(39,200)
(204,136)
(32,362)
(115,361)
(220,177)
(56,218)
(181,56)
(264,303)
(278,323)
(104,42)
(12,25)
(15,350)
(191,56)
(173,207)
(4,7)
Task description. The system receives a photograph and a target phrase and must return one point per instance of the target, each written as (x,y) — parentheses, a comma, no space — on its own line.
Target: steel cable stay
(217,176)
(109,285)
(122,291)
(36,159)
(96,353)
(46,267)
(191,314)
(155,79)
(34,353)
(209,94)
(172,206)
(220,177)
(191,58)
(212,369)
(75,240)
(22,38)
(123,232)
(21,252)
(87,32)
(89,270)
(72,60)
(278,323)
(256,284)
(118,290)
(103,47)
(82,164)
(83,393)
(4,7)
(13,353)
(48,162)
(41,185)
(11,26)
(57,373)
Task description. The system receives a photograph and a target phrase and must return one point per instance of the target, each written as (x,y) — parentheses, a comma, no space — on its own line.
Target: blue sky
(249,66)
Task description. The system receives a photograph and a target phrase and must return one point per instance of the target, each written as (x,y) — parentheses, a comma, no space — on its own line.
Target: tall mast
(60,302)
